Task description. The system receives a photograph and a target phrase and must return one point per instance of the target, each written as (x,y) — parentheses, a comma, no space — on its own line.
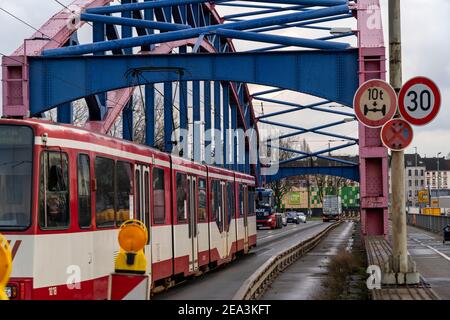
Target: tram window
(104,195)
(216,195)
(159,208)
(84,191)
(54,191)
(241,200)
(124,180)
(230,201)
(202,200)
(182,205)
(16,171)
(251,201)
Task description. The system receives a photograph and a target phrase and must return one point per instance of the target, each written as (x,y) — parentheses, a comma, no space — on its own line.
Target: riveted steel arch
(302,71)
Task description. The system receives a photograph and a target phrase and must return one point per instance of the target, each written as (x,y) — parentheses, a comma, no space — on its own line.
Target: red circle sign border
(437,101)
(384,142)
(358,94)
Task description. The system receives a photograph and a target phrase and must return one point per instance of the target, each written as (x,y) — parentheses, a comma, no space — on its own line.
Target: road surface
(223,283)
(432,259)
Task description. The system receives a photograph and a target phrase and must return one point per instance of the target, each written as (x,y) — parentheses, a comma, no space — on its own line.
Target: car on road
(283,219)
(292,217)
(267,220)
(301,217)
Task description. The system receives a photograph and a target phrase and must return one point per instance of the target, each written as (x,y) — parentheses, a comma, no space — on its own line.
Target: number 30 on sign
(419,101)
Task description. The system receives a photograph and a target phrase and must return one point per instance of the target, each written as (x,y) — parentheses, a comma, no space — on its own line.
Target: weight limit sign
(375,103)
(419,101)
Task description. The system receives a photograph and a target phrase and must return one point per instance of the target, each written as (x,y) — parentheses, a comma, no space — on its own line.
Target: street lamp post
(416,177)
(415,155)
(438,180)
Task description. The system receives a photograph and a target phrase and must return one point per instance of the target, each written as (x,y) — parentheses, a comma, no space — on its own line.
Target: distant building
(422,174)
(437,173)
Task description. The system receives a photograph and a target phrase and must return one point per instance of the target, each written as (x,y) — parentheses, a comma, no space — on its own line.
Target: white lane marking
(443,255)
(290,230)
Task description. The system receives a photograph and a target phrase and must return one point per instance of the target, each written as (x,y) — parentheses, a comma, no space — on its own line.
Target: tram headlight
(11,291)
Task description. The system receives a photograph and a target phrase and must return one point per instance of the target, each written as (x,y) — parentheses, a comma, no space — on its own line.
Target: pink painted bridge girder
(57,28)
(373,155)
(14,69)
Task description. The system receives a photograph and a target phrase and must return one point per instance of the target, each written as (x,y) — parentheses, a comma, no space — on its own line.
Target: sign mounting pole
(398,208)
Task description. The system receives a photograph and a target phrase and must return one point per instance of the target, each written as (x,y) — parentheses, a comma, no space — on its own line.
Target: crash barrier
(256,285)
(431,223)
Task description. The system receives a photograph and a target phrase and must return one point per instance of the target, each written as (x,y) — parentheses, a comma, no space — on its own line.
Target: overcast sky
(426,52)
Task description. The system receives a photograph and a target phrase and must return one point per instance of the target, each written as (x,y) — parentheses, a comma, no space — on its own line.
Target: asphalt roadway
(224,282)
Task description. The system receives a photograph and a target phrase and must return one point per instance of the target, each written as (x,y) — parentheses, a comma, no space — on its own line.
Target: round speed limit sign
(419,101)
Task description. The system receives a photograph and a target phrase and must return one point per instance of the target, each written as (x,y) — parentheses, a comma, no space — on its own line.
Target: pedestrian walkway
(432,258)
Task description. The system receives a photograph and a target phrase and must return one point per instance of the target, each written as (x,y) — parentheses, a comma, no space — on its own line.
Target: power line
(63,5)
(29,25)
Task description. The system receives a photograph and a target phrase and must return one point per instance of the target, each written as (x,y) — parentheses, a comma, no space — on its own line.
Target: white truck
(332,208)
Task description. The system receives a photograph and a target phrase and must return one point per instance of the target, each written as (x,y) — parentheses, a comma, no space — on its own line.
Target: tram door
(193,227)
(224,213)
(142,208)
(245,214)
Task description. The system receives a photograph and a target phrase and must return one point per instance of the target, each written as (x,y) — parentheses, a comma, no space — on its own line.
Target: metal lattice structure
(183,43)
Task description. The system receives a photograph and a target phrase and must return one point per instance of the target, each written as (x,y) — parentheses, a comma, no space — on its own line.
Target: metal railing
(428,222)
(256,285)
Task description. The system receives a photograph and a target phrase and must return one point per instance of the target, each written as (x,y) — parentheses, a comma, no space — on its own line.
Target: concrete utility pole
(398,209)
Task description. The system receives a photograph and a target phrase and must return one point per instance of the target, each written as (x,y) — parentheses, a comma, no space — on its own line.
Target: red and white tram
(64,191)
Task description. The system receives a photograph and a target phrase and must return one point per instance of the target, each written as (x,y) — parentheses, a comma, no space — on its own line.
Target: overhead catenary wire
(28,24)
(63,5)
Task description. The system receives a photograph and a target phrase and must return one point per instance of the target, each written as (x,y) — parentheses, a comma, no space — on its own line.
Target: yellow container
(432,211)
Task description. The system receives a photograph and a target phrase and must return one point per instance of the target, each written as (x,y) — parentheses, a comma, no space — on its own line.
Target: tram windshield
(16,163)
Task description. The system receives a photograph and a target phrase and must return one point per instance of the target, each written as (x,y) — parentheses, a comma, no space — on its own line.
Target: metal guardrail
(428,222)
(256,285)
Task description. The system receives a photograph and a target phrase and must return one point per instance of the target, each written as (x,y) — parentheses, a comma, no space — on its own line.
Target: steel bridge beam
(266,11)
(168,3)
(316,130)
(163,26)
(298,107)
(313,154)
(316,154)
(282,40)
(195,32)
(348,172)
(328,75)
